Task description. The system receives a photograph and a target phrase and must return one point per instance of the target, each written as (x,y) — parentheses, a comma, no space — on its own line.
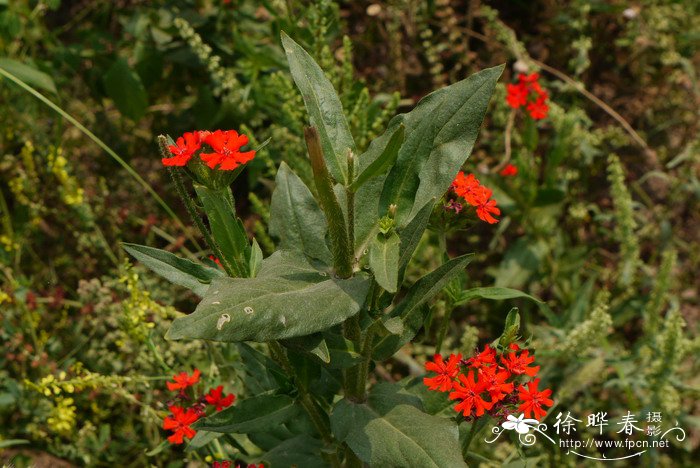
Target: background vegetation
(601,221)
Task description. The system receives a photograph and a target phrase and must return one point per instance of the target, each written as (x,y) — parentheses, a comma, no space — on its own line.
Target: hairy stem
(340,242)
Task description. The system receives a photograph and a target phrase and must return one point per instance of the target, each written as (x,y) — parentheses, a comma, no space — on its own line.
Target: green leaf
(440,135)
(295,217)
(384,261)
(342,351)
(226,228)
(29,74)
(125,88)
(253,414)
(302,450)
(493,293)
(510,329)
(412,310)
(313,344)
(201,439)
(256,258)
(324,108)
(392,430)
(186,273)
(288,298)
(12,442)
(385,160)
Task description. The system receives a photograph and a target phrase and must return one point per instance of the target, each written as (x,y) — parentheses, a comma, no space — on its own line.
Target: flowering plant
(330,302)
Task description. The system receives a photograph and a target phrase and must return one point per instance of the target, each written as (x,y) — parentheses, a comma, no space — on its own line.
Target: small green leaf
(124,87)
(412,310)
(324,108)
(12,442)
(253,414)
(201,439)
(385,160)
(391,429)
(493,293)
(313,344)
(288,298)
(295,217)
(256,258)
(510,329)
(384,261)
(226,228)
(181,271)
(29,74)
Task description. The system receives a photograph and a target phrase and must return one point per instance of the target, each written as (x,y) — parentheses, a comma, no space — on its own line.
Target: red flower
(495,380)
(509,170)
(183,149)
(446,372)
(485,358)
(529,79)
(179,423)
(183,380)
(465,185)
(470,393)
(486,206)
(532,400)
(539,108)
(222,464)
(528,92)
(517,95)
(226,146)
(214,398)
(215,260)
(518,364)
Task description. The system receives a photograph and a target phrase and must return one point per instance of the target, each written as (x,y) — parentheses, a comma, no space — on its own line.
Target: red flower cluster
(470,189)
(528,92)
(182,418)
(225,148)
(229,464)
(509,170)
(489,383)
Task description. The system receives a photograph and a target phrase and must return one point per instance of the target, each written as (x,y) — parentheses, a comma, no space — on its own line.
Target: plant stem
(350,195)
(192,210)
(337,230)
(477,426)
(318,420)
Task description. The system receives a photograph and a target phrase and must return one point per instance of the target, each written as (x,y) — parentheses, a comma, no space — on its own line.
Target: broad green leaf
(253,414)
(295,217)
(411,236)
(384,261)
(29,74)
(186,273)
(302,451)
(125,88)
(324,108)
(412,309)
(493,293)
(288,298)
(385,160)
(391,429)
(367,214)
(226,228)
(440,135)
